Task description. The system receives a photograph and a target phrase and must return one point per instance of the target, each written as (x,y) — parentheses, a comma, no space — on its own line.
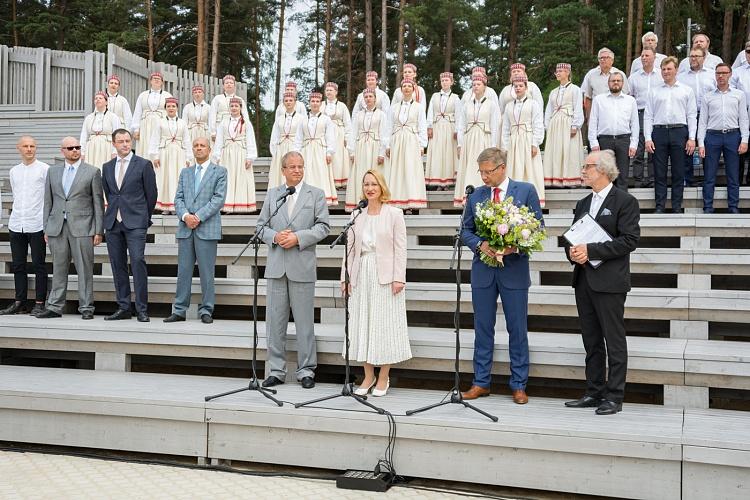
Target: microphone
(469,190)
(289,191)
(362,205)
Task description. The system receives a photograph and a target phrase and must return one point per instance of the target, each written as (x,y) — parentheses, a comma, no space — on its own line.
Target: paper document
(586,230)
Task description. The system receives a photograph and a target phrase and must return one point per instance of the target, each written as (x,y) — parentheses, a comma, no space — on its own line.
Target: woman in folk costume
(442,152)
(369,136)
(299,107)
(409,72)
(220,105)
(235,150)
(149,110)
(96,133)
(563,118)
(283,136)
(196,115)
(316,141)
(488,91)
(523,132)
(477,130)
(339,115)
(116,103)
(382,102)
(171,150)
(508,95)
(408,138)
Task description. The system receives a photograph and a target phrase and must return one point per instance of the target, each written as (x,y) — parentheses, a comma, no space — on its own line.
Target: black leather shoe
(48,314)
(207,319)
(15,308)
(608,408)
(37,309)
(585,402)
(119,314)
(307,382)
(143,317)
(87,315)
(658,210)
(173,318)
(272,381)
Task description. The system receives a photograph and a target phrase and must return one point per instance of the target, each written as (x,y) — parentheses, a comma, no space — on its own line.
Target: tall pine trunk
(400,46)
(349,50)
(317,43)
(629,38)
(327,47)
(200,62)
(150,28)
(383,45)
(368,35)
(411,39)
(279,52)
(513,38)
(726,39)
(215,41)
(659,25)
(639,28)
(14,18)
(255,51)
(448,45)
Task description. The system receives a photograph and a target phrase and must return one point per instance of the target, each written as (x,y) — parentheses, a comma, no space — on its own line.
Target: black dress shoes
(37,309)
(119,314)
(142,317)
(584,402)
(307,382)
(272,381)
(608,408)
(16,307)
(173,318)
(207,319)
(48,314)
(87,315)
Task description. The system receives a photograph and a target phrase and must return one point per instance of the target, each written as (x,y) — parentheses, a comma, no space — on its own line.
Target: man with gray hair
(650,41)
(701,41)
(601,278)
(596,81)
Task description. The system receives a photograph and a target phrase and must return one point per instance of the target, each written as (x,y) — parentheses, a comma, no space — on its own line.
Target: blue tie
(68,181)
(198,176)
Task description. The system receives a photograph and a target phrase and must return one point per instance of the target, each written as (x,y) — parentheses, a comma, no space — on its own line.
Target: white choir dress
(220,109)
(477,131)
(489,93)
(407,138)
(96,137)
(196,115)
(235,143)
(149,110)
(120,106)
(442,157)
(508,95)
(369,135)
(523,127)
(282,141)
(339,115)
(170,144)
(382,102)
(299,108)
(563,155)
(419,95)
(316,138)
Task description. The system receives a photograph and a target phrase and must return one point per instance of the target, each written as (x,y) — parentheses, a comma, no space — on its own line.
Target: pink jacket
(390,247)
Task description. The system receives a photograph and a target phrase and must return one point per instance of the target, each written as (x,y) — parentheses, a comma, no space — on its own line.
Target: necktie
(68,181)
(496,195)
(121,173)
(290,204)
(198,177)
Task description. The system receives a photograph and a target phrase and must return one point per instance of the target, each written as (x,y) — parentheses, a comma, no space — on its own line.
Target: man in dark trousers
(129,185)
(601,279)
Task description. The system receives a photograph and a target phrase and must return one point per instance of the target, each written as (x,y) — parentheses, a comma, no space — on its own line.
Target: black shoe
(678,210)
(16,307)
(119,314)
(708,210)
(207,319)
(608,408)
(143,317)
(734,210)
(48,314)
(585,402)
(658,210)
(307,382)
(173,318)
(647,185)
(87,315)
(37,309)
(272,381)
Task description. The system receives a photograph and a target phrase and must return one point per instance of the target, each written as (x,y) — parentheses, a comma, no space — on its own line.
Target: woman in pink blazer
(377,271)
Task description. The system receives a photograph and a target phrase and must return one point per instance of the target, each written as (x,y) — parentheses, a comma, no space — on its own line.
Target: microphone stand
(456,397)
(346,390)
(254,385)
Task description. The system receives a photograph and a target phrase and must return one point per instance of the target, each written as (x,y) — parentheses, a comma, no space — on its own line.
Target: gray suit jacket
(84,205)
(206,203)
(309,222)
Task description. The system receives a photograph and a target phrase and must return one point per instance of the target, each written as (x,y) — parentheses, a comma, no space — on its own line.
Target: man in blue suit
(510,282)
(129,185)
(201,191)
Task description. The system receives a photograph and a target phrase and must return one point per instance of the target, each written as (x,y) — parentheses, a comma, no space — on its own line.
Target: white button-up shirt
(27,183)
(702,82)
(741,80)
(641,84)
(595,82)
(614,115)
(637,64)
(670,105)
(722,111)
(597,199)
(709,63)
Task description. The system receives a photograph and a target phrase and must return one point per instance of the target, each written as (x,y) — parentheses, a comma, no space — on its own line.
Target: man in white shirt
(642,81)
(614,125)
(26,227)
(723,131)
(596,80)
(701,41)
(743,57)
(650,41)
(669,128)
(741,81)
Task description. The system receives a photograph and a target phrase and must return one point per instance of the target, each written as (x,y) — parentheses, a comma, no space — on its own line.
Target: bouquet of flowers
(505,225)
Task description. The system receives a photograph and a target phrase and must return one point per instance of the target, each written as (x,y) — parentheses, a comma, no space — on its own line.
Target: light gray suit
(199,243)
(70,223)
(290,276)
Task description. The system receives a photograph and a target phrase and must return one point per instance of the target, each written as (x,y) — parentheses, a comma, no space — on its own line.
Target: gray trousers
(189,250)
(643,170)
(63,247)
(282,295)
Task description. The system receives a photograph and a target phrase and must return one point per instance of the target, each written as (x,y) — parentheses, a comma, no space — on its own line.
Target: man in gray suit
(73,226)
(291,267)
(201,191)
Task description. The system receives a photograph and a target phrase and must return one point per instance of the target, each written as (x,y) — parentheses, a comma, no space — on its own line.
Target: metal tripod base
(254,385)
(346,392)
(456,398)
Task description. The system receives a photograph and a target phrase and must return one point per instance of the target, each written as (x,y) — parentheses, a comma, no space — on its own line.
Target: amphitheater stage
(646,451)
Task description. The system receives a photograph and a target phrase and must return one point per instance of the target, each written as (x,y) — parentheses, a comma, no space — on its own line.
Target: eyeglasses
(587,166)
(723,73)
(697,57)
(294,167)
(605,57)
(491,171)
(73,148)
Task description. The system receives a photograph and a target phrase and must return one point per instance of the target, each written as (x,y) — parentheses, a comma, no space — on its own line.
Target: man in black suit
(601,291)
(129,185)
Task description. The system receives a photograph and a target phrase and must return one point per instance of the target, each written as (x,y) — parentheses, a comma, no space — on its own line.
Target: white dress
(339,115)
(408,136)
(316,138)
(282,141)
(96,137)
(419,96)
(170,144)
(369,135)
(442,157)
(196,116)
(299,108)
(220,110)
(235,143)
(508,95)
(382,102)
(121,107)
(563,155)
(379,332)
(149,110)
(523,127)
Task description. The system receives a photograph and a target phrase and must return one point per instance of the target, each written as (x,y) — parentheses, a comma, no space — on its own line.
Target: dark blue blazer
(137,197)
(515,273)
